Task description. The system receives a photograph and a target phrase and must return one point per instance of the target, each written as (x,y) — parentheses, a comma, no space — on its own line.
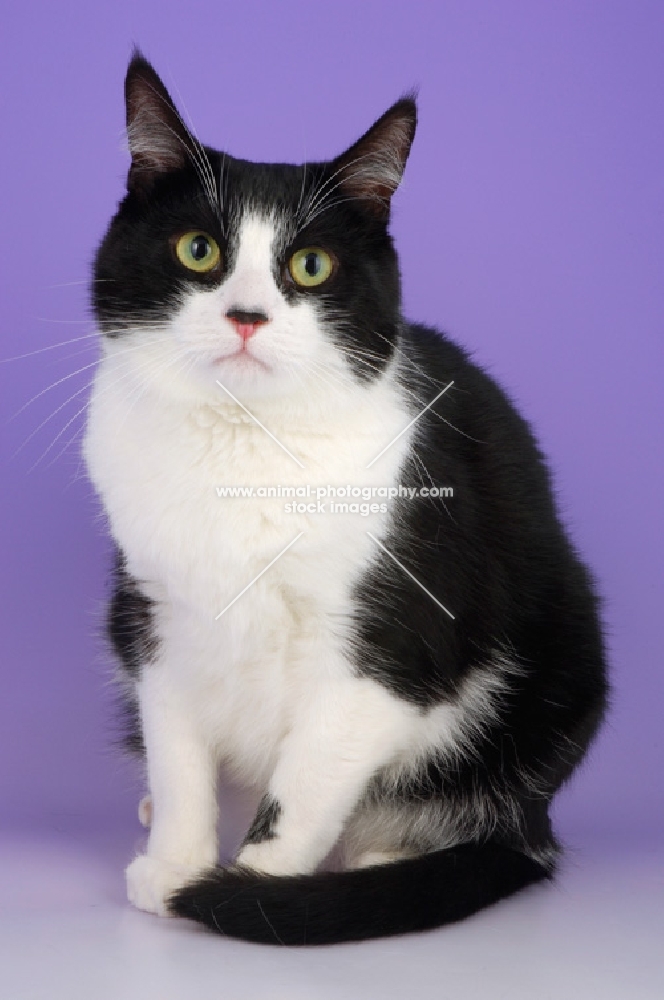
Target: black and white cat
(409,679)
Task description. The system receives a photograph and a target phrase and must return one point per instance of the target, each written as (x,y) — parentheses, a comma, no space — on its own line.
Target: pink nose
(246,323)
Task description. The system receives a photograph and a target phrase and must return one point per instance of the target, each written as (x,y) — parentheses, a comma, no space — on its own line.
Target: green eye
(198,251)
(310,267)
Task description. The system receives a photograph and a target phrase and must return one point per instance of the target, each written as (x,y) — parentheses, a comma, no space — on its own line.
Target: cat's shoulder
(432,358)
(476,420)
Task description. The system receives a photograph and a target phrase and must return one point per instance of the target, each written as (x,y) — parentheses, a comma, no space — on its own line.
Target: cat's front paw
(151,881)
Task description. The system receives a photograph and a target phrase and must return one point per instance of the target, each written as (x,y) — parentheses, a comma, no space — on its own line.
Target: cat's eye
(198,251)
(310,267)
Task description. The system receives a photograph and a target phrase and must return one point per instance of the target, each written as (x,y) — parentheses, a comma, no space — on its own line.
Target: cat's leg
(367,841)
(382,831)
(346,732)
(182,781)
(370,859)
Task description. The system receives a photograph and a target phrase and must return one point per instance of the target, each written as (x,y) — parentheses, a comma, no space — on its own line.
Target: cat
(406,680)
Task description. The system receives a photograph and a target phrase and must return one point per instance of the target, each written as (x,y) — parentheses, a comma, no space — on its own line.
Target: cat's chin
(241,361)
(243,376)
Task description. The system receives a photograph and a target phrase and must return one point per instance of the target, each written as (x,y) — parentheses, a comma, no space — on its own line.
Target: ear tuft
(371,170)
(159,141)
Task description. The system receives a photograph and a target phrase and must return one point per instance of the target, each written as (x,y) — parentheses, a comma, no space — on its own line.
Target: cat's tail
(325,908)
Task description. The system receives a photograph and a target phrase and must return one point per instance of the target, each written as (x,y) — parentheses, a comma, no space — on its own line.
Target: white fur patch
(150,881)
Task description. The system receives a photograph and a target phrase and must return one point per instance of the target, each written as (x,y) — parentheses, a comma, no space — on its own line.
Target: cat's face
(268,279)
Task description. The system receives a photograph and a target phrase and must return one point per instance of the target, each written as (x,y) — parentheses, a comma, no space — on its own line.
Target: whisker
(53,385)
(67,401)
(62,322)
(198,156)
(75,354)
(142,389)
(146,364)
(302,189)
(222,192)
(422,401)
(418,459)
(83,281)
(327,205)
(317,194)
(207,166)
(409,360)
(138,324)
(49,347)
(58,436)
(65,378)
(50,417)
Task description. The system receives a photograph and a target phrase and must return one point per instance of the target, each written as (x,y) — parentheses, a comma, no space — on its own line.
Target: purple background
(530,228)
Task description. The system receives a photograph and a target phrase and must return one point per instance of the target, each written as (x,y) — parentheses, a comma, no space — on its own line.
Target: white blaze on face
(251,286)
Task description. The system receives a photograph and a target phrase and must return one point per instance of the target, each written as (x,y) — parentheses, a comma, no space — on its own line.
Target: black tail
(329,907)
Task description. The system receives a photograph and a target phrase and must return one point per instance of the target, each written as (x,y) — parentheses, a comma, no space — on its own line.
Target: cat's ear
(371,170)
(159,141)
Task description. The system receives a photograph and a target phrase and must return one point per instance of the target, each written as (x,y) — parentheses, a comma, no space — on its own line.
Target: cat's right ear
(159,141)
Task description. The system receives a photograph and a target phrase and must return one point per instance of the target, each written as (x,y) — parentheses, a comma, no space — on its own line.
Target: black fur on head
(175,184)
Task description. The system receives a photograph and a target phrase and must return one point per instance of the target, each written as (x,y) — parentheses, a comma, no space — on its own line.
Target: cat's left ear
(371,170)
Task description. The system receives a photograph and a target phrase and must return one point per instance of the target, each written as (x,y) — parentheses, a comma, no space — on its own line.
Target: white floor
(65,931)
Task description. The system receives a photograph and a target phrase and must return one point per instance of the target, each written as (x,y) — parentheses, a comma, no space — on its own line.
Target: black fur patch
(130,621)
(265,821)
(497,556)
(131,738)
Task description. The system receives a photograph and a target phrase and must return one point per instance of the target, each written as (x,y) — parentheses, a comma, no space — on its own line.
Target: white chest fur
(157,465)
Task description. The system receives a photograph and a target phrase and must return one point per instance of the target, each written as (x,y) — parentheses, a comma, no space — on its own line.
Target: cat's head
(266,277)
